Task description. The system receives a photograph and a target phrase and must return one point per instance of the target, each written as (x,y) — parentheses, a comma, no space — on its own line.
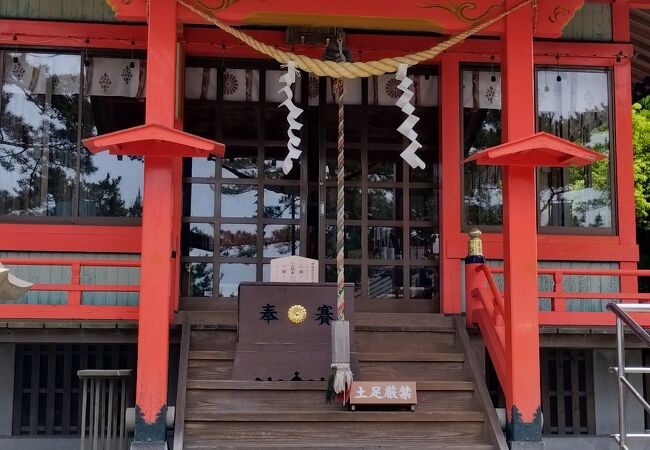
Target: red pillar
(157,231)
(520,238)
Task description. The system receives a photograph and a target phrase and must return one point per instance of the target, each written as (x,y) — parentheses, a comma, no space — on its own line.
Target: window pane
(282,202)
(384,165)
(233,274)
(430,173)
(352,198)
(385,242)
(198,239)
(423,205)
(352,248)
(384,204)
(385,282)
(273,160)
(238,200)
(239,162)
(39,124)
(575,106)
(110,187)
(202,168)
(198,280)
(240,122)
(423,283)
(281,240)
(483,200)
(352,275)
(202,200)
(238,240)
(424,244)
(352,164)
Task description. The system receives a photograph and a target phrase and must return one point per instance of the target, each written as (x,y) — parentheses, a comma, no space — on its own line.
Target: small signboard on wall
(384,393)
(294,269)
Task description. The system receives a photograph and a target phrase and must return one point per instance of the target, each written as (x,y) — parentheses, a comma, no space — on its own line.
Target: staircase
(431,349)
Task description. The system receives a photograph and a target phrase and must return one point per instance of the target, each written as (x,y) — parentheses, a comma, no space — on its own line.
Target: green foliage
(641,143)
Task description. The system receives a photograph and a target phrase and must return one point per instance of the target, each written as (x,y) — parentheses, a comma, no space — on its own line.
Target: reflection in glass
(384,165)
(202,200)
(281,240)
(483,200)
(111,187)
(422,204)
(384,204)
(282,202)
(423,283)
(39,124)
(352,275)
(385,242)
(202,168)
(238,240)
(233,274)
(577,109)
(198,280)
(352,247)
(424,244)
(352,203)
(239,162)
(238,200)
(198,239)
(273,159)
(430,173)
(352,164)
(385,282)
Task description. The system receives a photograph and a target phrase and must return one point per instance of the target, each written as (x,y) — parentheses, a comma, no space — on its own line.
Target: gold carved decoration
(297,314)
(475,245)
(223,4)
(459,10)
(558,11)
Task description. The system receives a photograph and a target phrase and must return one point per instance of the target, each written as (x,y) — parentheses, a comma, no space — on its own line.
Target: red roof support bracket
(540,149)
(154,140)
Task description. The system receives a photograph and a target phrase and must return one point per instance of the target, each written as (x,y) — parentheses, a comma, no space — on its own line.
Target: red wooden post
(558,303)
(157,228)
(74,297)
(520,239)
(474,278)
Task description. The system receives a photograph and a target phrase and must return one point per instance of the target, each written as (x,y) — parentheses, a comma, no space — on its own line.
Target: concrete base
(148,445)
(525,445)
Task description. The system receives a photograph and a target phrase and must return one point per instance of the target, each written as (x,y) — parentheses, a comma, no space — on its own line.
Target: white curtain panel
(382,90)
(480,92)
(200,83)
(33,73)
(578,92)
(114,77)
(241,85)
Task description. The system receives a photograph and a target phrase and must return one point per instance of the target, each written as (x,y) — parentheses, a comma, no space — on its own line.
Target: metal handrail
(622,317)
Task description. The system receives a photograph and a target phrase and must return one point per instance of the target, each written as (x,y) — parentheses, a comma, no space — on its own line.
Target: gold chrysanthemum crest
(297,314)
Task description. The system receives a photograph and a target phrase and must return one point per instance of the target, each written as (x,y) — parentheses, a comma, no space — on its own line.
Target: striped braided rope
(340,205)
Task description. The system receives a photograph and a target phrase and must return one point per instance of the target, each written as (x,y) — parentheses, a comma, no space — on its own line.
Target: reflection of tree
(240,243)
(482,192)
(42,155)
(200,279)
(284,240)
(590,129)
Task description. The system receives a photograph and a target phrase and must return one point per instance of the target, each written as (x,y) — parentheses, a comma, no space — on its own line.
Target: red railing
(486,306)
(74,309)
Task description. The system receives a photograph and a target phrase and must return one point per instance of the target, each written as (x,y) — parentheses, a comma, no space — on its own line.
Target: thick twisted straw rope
(347,69)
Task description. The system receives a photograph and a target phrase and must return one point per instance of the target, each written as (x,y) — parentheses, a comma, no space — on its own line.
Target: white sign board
(294,269)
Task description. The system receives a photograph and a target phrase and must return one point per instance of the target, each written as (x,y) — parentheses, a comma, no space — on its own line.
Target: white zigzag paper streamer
(294,112)
(406,128)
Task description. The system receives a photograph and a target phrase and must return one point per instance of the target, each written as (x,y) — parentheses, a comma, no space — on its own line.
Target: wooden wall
(591,23)
(77,10)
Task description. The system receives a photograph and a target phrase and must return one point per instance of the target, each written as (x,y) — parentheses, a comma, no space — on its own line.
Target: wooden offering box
(284,330)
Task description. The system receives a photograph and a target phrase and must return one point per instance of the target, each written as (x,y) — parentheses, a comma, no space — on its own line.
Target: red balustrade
(74,309)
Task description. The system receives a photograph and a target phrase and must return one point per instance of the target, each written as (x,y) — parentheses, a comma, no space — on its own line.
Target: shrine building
(163,162)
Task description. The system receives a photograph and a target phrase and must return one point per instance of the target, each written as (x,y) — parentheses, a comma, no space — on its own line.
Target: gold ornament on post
(297,314)
(474,245)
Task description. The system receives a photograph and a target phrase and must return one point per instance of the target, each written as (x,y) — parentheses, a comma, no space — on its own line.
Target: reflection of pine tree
(43,155)
(239,244)
(136,209)
(201,279)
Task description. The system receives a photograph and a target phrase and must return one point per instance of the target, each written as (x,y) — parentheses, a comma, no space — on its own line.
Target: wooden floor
(220,413)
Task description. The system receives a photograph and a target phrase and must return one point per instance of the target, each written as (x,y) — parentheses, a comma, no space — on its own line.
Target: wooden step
(213,355)
(278,416)
(310,445)
(412,357)
(402,322)
(411,370)
(389,432)
(209,369)
(431,385)
(402,341)
(201,400)
(213,340)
